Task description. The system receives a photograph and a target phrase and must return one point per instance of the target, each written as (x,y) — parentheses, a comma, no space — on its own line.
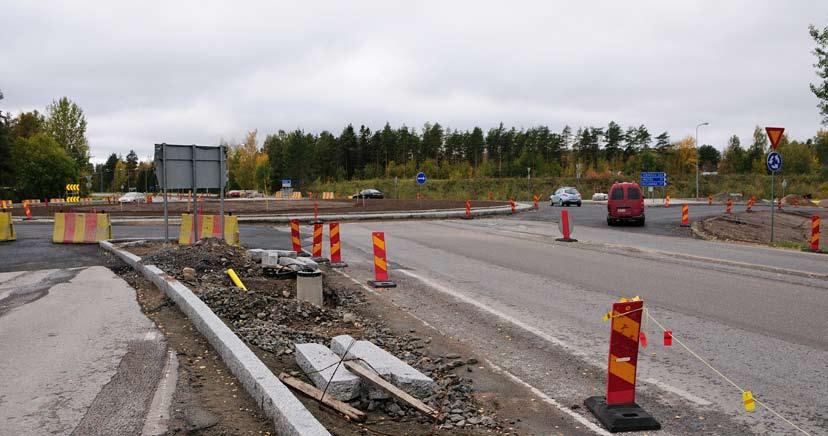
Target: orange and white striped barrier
(295,237)
(565,226)
(667,200)
(618,410)
(535,200)
(729,206)
(815,233)
(328,195)
(685,215)
(316,249)
(6,227)
(81,228)
(27,210)
(336,246)
(209,226)
(380,263)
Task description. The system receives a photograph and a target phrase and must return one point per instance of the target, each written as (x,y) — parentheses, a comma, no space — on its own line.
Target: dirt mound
(209,257)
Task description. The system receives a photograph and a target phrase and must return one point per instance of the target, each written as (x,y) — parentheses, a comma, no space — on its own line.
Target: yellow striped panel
(207,226)
(625,326)
(186,230)
(80,227)
(231,230)
(103,227)
(60,227)
(6,227)
(379,243)
(380,263)
(623,370)
(335,247)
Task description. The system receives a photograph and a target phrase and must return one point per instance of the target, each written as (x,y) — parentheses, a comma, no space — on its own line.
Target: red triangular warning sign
(775,134)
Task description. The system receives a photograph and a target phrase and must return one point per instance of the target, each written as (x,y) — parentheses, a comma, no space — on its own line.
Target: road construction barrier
(316,249)
(209,226)
(685,215)
(491,196)
(6,227)
(295,237)
(336,247)
(328,195)
(513,205)
(5,204)
(296,195)
(710,200)
(565,226)
(72,199)
(618,410)
(277,195)
(729,207)
(667,200)
(380,263)
(535,200)
(81,228)
(27,210)
(815,233)
(779,204)
(468,210)
(750,202)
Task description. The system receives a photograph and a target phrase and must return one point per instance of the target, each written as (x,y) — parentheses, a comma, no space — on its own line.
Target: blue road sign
(774,162)
(286,183)
(421,178)
(653,179)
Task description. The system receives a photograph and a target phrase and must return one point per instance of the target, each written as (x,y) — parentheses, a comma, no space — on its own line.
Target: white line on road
(537,332)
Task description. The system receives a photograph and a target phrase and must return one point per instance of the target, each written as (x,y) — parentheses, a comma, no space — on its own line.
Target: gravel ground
(269,317)
(789,226)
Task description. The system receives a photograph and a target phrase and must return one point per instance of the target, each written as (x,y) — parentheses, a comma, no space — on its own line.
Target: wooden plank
(329,400)
(395,392)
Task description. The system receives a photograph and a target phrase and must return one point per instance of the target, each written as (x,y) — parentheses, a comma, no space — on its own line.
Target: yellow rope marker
(235,279)
(747,398)
(606,316)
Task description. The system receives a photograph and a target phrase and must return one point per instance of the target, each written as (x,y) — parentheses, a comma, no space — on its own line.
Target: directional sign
(775,134)
(774,162)
(73,187)
(286,183)
(654,179)
(421,178)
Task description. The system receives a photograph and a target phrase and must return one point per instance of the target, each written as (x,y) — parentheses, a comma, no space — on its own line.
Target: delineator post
(685,215)
(380,263)
(336,246)
(815,221)
(295,238)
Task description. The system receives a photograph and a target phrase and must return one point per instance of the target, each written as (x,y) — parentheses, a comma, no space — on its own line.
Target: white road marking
(537,332)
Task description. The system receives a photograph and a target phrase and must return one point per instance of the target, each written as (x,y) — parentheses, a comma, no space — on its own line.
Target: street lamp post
(697,157)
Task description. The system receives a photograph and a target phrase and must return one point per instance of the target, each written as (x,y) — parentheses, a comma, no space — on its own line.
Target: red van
(625,203)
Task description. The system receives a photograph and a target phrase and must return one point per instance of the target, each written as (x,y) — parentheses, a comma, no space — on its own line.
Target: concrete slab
(340,382)
(386,364)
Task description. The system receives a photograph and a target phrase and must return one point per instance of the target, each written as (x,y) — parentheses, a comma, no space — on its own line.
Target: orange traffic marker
(710,200)
(468,210)
(815,233)
(565,226)
(667,200)
(316,249)
(685,215)
(729,207)
(380,263)
(513,204)
(336,247)
(295,238)
(618,411)
(535,199)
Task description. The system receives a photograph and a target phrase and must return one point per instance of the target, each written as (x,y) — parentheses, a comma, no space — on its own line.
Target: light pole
(697,157)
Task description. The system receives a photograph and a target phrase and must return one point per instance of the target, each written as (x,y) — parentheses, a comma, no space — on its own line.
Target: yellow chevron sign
(72,199)
(73,186)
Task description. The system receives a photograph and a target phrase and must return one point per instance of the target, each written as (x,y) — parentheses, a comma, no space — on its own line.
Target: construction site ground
(791,226)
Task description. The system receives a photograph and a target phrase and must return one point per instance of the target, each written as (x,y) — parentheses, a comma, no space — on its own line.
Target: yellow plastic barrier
(210,227)
(296,195)
(328,195)
(6,227)
(81,228)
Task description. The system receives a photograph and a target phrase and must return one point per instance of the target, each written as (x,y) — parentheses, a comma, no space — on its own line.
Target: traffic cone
(565,226)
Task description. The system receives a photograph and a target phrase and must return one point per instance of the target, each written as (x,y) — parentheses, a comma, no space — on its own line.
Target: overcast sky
(197,72)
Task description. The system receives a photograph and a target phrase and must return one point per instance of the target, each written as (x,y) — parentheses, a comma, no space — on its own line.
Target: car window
(633,193)
(558,192)
(617,194)
(572,191)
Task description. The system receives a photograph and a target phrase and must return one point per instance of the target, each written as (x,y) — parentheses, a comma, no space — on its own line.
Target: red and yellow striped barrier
(327,195)
(623,358)
(380,263)
(6,204)
(296,195)
(81,228)
(6,227)
(685,215)
(316,250)
(209,226)
(295,237)
(336,247)
(815,221)
(667,200)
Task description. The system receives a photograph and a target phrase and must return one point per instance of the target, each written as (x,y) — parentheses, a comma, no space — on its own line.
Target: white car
(133,197)
(600,196)
(565,196)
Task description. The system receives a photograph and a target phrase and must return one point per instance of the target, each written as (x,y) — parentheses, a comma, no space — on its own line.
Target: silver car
(565,196)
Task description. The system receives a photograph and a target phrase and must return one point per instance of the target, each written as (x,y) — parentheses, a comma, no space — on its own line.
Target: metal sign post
(774,163)
(421,179)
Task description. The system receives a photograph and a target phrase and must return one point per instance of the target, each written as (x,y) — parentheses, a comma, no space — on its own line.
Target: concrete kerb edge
(289,415)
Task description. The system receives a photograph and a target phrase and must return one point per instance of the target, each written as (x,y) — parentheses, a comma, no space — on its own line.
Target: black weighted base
(616,419)
(338,264)
(320,259)
(566,240)
(382,283)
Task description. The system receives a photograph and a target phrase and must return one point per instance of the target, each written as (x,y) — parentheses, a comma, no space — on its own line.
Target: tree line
(445,153)
(41,152)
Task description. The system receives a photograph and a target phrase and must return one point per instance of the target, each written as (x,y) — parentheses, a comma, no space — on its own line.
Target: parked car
(626,203)
(234,193)
(565,196)
(368,193)
(599,196)
(133,197)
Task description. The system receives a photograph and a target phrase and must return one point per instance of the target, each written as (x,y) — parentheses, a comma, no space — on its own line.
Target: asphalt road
(79,357)
(533,307)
